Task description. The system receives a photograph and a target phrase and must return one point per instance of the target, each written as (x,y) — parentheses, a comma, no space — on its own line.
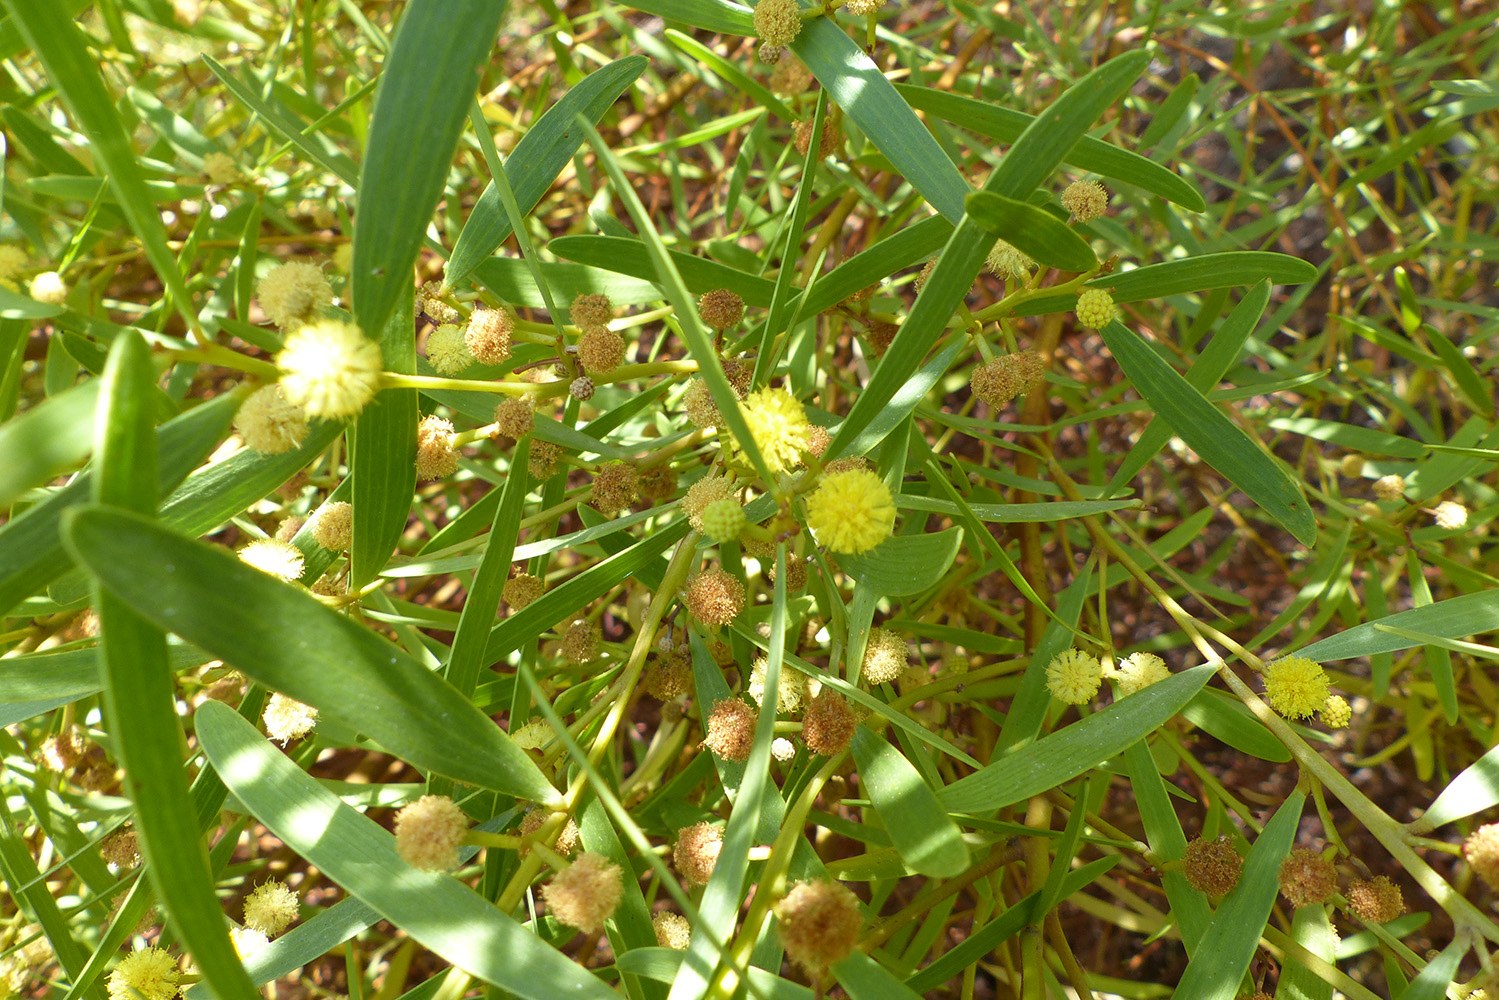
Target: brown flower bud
(731,729)
(714,597)
(696,852)
(1213,866)
(819,924)
(828,727)
(1306,878)
(1376,900)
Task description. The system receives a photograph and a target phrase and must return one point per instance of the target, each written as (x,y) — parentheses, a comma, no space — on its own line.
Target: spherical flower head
(730,729)
(49,287)
(429,832)
(886,657)
(1376,900)
(13,260)
(585,893)
(819,924)
(723,519)
(1085,200)
(1095,309)
(703,493)
(658,483)
(436,455)
(672,930)
(791,77)
(543,459)
(696,852)
(1007,261)
(782,749)
(1390,487)
(1138,671)
(791,689)
(581,388)
(287,719)
(1336,712)
(832,134)
(1074,677)
(283,560)
(515,418)
(330,369)
(580,642)
(1001,379)
(880,336)
(699,404)
(270,908)
(796,572)
(534,735)
(828,727)
(600,351)
(220,168)
(1212,866)
(270,423)
(150,973)
(1481,850)
(721,309)
(1450,515)
(1306,878)
(1296,687)
(488,334)
(778,423)
(121,849)
(714,597)
(447,351)
(1352,466)
(863,8)
(851,512)
(567,838)
(591,312)
(669,675)
(616,485)
(333,526)
(247,942)
(777,22)
(521,590)
(293,293)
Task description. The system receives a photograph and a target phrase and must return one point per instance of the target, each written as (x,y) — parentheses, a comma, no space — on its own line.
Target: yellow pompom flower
(1074,677)
(851,511)
(778,423)
(1296,687)
(293,293)
(1337,713)
(330,369)
(150,973)
(1138,671)
(270,908)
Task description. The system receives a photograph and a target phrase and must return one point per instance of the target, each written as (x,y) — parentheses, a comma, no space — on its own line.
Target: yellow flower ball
(778,423)
(330,369)
(851,511)
(1074,677)
(1296,687)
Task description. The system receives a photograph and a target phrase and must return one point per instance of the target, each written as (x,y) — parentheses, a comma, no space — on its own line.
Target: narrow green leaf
(1220,442)
(40,682)
(536,161)
(313,654)
(1210,366)
(428,80)
(14,305)
(1475,789)
(140,695)
(905,564)
(1440,973)
(1475,389)
(1053,133)
(866,979)
(31,552)
(1033,230)
(1198,274)
(1225,718)
(29,892)
(1454,618)
(384,458)
(1311,929)
(857,86)
(710,15)
(1027,713)
(286,125)
(1350,436)
(1092,154)
(1224,953)
(436,910)
(47,440)
(1018,513)
(59,43)
(731,72)
(626,256)
(1189,907)
(1068,752)
(928,840)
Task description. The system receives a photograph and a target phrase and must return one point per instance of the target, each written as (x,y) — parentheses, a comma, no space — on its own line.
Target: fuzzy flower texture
(1296,687)
(778,423)
(851,511)
(330,369)
(1074,677)
(150,973)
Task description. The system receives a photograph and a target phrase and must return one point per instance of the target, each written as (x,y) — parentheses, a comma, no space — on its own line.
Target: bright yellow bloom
(1296,687)
(330,369)
(778,423)
(851,511)
(1138,671)
(1074,677)
(150,972)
